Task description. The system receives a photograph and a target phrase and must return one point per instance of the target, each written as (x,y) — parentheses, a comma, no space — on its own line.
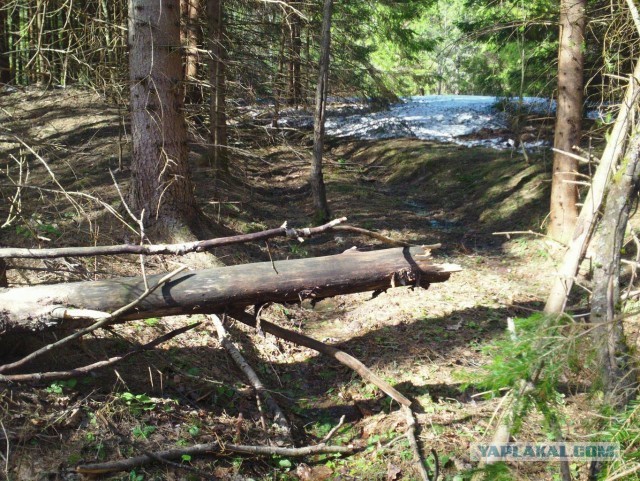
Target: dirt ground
(189,391)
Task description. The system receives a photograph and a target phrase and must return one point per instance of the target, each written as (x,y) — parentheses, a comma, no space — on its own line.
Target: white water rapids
(443,118)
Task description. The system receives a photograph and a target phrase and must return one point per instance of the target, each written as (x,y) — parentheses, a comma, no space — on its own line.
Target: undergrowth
(532,365)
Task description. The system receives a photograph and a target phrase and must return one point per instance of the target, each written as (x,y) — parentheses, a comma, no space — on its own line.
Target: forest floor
(424,342)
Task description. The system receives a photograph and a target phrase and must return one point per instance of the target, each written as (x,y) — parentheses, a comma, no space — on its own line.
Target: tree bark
(295,84)
(277,82)
(161,181)
(217,79)
(5,72)
(564,194)
(618,383)
(191,38)
(320,205)
(216,290)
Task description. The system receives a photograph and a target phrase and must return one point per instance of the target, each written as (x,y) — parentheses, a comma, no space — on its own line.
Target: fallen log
(216,290)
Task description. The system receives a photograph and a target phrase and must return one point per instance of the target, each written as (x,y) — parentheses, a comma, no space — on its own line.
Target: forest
(319,240)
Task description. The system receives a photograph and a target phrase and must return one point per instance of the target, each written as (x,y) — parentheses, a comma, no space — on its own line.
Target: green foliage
(58,387)
(137,402)
(36,227)
(623,428)
(497,472)
(143,431)
(133,476)
(470,47)
(530,363)
(194,430)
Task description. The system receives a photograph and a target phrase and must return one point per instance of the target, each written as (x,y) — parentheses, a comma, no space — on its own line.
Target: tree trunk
(218,289)
(17,44)
(161,181)
(279,75)
(564,194)
(321,208)
(564,279)
(295,85)
(191,39)
(618,383)
(5,71)
(217,78)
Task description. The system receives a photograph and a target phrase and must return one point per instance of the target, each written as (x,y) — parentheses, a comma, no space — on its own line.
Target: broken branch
(340,356)
(278,416)
(213,448)
(81,371)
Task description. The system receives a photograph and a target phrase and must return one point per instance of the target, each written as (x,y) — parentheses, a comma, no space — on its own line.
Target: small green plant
(321,428)
(193,430)
(138,402)
(143,431)
(133,476)
(297,250)
(74,458)
(58,387)
(36,227)
(152,321)
(101,452)
(623,428)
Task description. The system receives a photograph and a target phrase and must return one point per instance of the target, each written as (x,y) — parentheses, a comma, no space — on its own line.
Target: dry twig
(323,348)
(171,249)
(278,416)
(213,448)
(80,371)
(417,455)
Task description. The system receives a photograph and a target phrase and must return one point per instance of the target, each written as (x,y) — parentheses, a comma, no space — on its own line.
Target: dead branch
(340,356)
(368,233)
(213,448)
(333,431)
(508,235)
(278,416)
(171,249)
(81,371)
(417,455)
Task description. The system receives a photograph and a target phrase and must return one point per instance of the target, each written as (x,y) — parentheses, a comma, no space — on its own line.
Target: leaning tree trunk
(217,79)
(321,208)
(618,383)
(564,192)
(161,181)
